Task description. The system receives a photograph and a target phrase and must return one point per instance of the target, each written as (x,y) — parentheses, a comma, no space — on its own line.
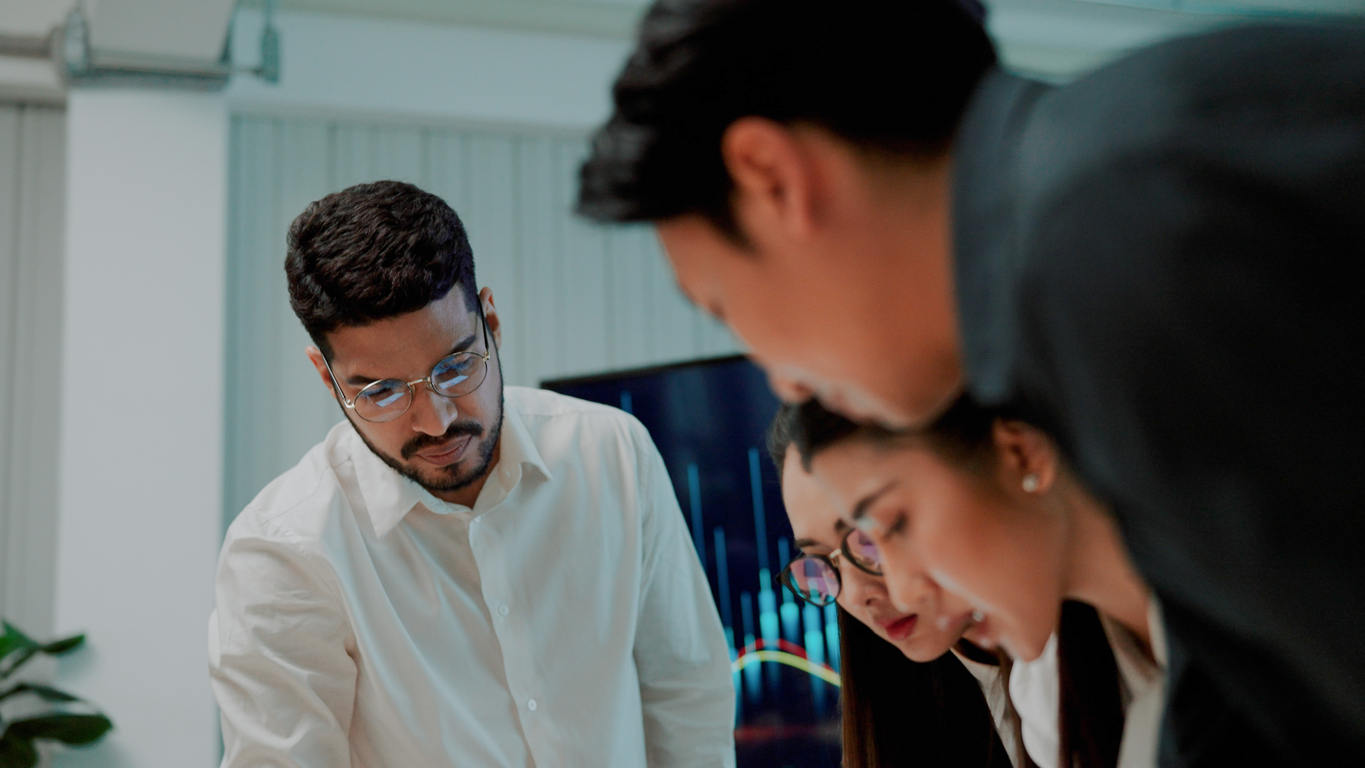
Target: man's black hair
(374,251)
(889,76)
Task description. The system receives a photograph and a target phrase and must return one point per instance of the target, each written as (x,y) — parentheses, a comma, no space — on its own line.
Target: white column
(141,417)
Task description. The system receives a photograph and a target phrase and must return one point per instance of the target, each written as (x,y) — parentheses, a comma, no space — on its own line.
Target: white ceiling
(186,29)
(1050,37)
(194,30)
(617,17)
(32,18)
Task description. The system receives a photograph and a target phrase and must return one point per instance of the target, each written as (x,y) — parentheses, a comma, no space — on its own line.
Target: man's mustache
(458,429)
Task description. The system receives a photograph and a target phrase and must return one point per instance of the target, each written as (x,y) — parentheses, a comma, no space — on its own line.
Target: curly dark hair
(890,76)
(374,251)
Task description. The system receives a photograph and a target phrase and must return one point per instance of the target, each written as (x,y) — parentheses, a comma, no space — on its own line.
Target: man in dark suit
(1158,263)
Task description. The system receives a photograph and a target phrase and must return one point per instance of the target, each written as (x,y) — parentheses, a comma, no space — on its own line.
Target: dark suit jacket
(1163,264)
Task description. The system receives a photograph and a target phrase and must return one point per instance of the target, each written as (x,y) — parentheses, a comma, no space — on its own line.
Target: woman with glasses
(913,692)
(984,504)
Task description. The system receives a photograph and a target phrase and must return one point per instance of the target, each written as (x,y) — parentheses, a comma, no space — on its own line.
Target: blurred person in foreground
(1157,264)
(461,573)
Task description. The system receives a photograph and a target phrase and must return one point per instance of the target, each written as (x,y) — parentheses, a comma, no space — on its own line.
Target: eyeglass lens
(454,376)
(859,548)
(813,579)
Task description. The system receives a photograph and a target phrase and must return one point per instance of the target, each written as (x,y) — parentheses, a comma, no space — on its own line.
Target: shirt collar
(985,193)
(389,496)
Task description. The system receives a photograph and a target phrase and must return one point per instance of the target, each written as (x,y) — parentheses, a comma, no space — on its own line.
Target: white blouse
(1142,681)
(1034,691)
(997,699)
(1037,699)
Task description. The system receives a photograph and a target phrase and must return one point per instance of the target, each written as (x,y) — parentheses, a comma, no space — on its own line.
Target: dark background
(708,419)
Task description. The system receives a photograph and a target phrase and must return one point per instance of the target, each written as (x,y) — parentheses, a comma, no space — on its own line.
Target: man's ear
(315,357)
(774,179)
(490,313)
(1025,456)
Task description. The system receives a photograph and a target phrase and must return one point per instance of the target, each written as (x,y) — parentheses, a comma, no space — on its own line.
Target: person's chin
(444,476)
(921,651)
(927,645)
(445,473)
(1020,645)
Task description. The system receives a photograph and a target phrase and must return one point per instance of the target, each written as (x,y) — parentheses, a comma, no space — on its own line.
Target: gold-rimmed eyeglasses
(453,376)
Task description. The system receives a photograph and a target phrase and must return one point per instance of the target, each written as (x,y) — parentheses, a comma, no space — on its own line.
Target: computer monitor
(709,419)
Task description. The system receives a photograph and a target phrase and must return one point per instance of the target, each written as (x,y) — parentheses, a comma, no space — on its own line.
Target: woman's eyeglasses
(815,578)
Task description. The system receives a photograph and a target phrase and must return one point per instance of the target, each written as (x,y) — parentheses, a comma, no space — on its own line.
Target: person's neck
(469,495)
(1100,572)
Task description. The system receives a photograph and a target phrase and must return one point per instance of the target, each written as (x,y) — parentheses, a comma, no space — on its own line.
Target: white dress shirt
(1034,691)
(563,621)
(1037,699)
(1142,684)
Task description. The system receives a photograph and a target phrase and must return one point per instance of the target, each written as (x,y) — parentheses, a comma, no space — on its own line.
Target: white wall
(404,70)
(141,427)
(32,180)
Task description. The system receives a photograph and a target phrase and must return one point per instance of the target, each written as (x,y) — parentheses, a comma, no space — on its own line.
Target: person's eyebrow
(867,501)
(803,543)
(361,380)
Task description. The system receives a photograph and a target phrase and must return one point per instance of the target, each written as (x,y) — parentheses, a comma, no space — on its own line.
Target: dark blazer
(1163,264)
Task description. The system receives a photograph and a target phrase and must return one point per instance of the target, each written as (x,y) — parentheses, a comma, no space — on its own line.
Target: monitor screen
(709,419)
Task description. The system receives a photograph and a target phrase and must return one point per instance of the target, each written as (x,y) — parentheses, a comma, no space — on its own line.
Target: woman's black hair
(1090,716)
(897,712)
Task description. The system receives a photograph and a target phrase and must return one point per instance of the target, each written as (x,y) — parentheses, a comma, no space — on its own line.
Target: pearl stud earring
(1032,482)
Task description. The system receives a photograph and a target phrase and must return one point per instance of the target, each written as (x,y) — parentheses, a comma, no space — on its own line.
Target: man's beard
(453,479)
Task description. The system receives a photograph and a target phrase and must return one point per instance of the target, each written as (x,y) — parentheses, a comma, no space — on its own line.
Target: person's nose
(432,414)
(860,587)
(788,389)
(907,590)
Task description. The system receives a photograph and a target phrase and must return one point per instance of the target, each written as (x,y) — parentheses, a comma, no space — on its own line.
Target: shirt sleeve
(686,687)
(279,660)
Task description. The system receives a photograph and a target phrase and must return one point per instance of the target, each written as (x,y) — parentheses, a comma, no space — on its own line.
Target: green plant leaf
(16,752)
(44,692)
(16,660)
(66,728)
(65,645)
(14,640)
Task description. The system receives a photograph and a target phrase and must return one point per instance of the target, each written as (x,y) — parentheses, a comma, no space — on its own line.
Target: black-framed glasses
(816,578)
(453,376)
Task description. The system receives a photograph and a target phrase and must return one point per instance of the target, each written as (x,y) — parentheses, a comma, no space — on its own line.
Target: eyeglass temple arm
(340,393)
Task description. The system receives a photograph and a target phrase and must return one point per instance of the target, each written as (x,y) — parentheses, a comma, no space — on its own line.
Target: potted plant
(47,713)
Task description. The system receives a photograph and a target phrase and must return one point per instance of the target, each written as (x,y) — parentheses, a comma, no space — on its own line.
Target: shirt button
(502,611)
(531,705)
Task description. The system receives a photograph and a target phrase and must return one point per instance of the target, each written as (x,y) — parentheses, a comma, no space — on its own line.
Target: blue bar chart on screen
(709,419)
